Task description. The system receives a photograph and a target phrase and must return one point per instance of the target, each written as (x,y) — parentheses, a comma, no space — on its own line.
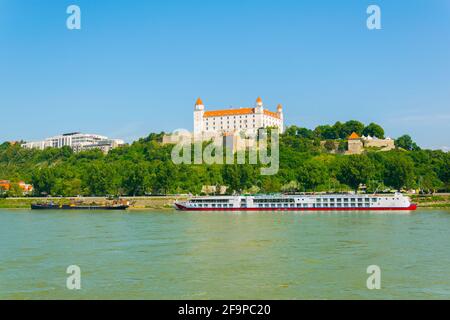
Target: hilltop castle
(232,121)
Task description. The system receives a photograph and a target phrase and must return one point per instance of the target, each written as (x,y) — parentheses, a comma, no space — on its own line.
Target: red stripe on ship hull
(412,207)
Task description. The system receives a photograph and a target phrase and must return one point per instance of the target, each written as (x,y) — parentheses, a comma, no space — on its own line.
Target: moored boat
(52,206)
(315,202)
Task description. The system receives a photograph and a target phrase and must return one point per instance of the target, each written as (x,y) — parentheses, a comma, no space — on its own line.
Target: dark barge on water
(53,206)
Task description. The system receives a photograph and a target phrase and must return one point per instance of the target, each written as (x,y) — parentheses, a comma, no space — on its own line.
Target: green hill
(145,167)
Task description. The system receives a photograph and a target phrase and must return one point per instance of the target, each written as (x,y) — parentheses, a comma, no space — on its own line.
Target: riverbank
(166,202)
(136,203)
(432,201)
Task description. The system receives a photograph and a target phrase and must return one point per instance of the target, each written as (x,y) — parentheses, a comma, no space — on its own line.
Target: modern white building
(77,141)
(232,121)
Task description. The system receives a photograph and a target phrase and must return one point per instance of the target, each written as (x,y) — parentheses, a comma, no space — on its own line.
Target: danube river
(185,255)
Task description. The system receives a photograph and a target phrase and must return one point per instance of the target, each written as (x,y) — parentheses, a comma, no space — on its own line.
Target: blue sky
(138,66)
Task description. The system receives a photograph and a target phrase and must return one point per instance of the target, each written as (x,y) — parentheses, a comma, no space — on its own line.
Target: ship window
(374,200)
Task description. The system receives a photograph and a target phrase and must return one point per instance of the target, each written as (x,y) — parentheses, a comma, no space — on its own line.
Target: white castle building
(77,141)
(233,121)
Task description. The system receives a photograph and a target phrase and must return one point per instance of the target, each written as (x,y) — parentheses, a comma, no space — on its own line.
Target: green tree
(355,170)
(374,130)
(399,172)
(325,132)
(406,142)
(312,173)
(352,126)
(330,145)
(43,180)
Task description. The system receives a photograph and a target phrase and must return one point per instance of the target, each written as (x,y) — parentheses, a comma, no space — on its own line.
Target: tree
(43,181)
(343,146)
(270,185)
(355,170)
(338,128)
(135,180)
(325,132)
(352,126)
(374,130)
(330,145)
(312,173)
(99,179)
(430,182)
(399,172)
(406,142)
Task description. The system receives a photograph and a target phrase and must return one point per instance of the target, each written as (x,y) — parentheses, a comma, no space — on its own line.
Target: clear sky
(138,66)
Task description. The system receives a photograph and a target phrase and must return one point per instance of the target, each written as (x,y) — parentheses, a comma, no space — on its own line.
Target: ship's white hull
(336,202)
(412,207)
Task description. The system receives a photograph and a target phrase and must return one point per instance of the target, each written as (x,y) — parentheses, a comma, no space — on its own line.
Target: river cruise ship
(317,202)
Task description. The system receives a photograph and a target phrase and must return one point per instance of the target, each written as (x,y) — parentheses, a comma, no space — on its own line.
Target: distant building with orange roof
(357,144)
(5,185)
(232,121)
(354,136)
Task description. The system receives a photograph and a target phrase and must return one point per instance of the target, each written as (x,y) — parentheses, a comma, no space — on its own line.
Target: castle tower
(280,114)
(259,109)
(199,111)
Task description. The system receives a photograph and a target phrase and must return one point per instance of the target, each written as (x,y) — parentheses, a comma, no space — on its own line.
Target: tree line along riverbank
(305,165)
(166,202)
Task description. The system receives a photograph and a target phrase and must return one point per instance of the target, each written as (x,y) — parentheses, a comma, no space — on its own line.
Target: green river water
(187,255)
